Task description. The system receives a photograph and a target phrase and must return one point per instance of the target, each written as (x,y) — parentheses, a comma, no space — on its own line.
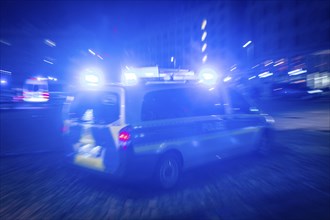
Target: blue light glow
(129,79)
(92,78)
(208,76)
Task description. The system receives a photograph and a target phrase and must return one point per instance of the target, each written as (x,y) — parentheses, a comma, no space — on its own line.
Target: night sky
(74,26)
(122,17)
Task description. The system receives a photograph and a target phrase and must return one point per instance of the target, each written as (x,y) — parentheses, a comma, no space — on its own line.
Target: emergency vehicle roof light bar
(136,76)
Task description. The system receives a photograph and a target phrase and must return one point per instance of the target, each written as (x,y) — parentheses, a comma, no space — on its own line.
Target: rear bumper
(130,167)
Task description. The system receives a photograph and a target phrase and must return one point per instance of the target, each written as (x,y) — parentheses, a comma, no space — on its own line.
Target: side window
(179,103)
(238,103)
(163,105)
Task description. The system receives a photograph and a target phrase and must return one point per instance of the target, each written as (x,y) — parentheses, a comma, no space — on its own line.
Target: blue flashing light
(208,76)
(91,78)
(129,79)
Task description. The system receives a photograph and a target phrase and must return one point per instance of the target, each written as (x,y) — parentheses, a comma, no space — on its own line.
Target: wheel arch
(171,150)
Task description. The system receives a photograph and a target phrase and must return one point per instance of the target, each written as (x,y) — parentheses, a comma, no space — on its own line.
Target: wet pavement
(292,183)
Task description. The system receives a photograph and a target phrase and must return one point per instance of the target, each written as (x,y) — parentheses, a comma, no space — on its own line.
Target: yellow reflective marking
(146,148)
(90,162)
(179,141)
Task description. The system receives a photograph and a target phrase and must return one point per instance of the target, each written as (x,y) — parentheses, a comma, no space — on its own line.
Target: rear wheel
(168,171)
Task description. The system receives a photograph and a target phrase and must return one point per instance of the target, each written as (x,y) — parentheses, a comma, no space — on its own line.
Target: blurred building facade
(288,28)
(285,36)
(290,41)
(179,42)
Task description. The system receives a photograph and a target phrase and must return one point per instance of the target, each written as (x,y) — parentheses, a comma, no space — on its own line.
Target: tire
(168,171)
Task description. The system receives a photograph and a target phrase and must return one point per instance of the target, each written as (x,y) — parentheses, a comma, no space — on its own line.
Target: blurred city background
(268,48)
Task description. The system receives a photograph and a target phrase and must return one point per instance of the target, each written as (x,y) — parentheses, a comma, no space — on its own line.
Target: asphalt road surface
(292,183)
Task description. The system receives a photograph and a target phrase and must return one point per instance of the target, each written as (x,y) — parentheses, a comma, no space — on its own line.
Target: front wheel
(168,171)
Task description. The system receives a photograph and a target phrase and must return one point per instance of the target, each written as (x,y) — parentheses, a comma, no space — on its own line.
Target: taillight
(124,137)
(45,94)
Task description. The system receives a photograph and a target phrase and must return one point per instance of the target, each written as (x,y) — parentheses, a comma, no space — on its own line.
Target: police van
(160,128)
(36,90)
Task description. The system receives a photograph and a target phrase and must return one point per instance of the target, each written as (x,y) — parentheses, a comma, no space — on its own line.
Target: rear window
(100,108)
(177,103)
(35,87)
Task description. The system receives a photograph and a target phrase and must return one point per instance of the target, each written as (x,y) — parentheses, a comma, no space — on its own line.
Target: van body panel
(200,133)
